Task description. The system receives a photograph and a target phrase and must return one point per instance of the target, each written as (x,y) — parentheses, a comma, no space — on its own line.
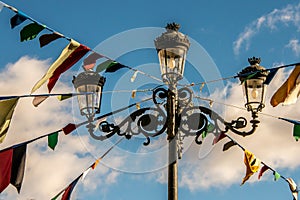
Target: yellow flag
(252,165)
(68,50)
(7,108)
(289,90)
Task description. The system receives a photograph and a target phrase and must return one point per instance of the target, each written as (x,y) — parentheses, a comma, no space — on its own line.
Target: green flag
(276,176)
(52,140)
(296,132)
(30,31)
(102,66)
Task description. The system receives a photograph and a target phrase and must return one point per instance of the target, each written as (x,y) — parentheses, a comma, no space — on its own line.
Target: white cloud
(286,16)
(295,46)
(47,172)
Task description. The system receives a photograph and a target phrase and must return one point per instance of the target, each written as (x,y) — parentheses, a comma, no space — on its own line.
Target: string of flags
(70,55)
(253,164)
(67,191)
(13,158)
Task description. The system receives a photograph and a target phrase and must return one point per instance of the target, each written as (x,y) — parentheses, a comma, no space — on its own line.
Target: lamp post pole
(172,129)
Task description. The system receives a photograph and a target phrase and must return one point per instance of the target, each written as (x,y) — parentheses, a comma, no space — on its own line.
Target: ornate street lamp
(253,80)
(172,47)
(172,112)
(90,84)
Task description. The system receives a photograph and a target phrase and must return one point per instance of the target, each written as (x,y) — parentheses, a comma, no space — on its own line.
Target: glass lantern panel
(172,61)
(90,103)
(255,93)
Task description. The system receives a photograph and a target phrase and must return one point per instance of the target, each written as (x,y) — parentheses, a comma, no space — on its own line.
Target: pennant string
(270,168)
(101,157)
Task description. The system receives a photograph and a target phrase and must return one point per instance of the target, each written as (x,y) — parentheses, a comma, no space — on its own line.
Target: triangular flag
(18,19)
(7,108)
(69,190)
(85,173)
(69,56)
(114,66)
(48,38)
(138,106)
(38,100)
(1,5)
(5,168)
(289,91)
(296,132)
(64,97)
(30,31)
(293,188)
(102,66)
(133,94)
(228,145)
(271,75)
(94,165)
(52,140)
(262,171)
(69,128)
(252,165)
(18,166)
(134,76)
(276,176)
(221,136)
(90,61)
(247,76)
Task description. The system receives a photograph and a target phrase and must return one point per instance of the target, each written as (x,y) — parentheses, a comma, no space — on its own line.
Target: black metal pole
(171,131)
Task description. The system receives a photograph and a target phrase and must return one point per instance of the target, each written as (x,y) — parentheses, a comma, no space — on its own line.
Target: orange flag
(289,91)
(252,165)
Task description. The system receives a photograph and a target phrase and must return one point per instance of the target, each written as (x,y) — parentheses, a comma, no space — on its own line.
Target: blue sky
(223,34)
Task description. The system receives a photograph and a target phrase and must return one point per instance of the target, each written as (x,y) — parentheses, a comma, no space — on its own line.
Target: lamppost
(172,112)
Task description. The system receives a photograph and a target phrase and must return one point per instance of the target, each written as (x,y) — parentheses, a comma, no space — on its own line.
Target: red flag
(68,191)
(12,167)
(219,137)
(67,64)
(262,170)
(69,128)
(5,168)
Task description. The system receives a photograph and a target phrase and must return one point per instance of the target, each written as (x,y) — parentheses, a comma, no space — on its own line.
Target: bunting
(69,56)
(132,79)
(69,128)
(252,165)
(296,130)
(53,140)
(262,171)
(276,176)
(1,5)
(12,167)
(30,31)
(221,136)
(293,188)
(228,145)
(18,19)
(90,61)
(288,92)
(48,38)
(7,108)
(38,100)
(272,73)
(114,66)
